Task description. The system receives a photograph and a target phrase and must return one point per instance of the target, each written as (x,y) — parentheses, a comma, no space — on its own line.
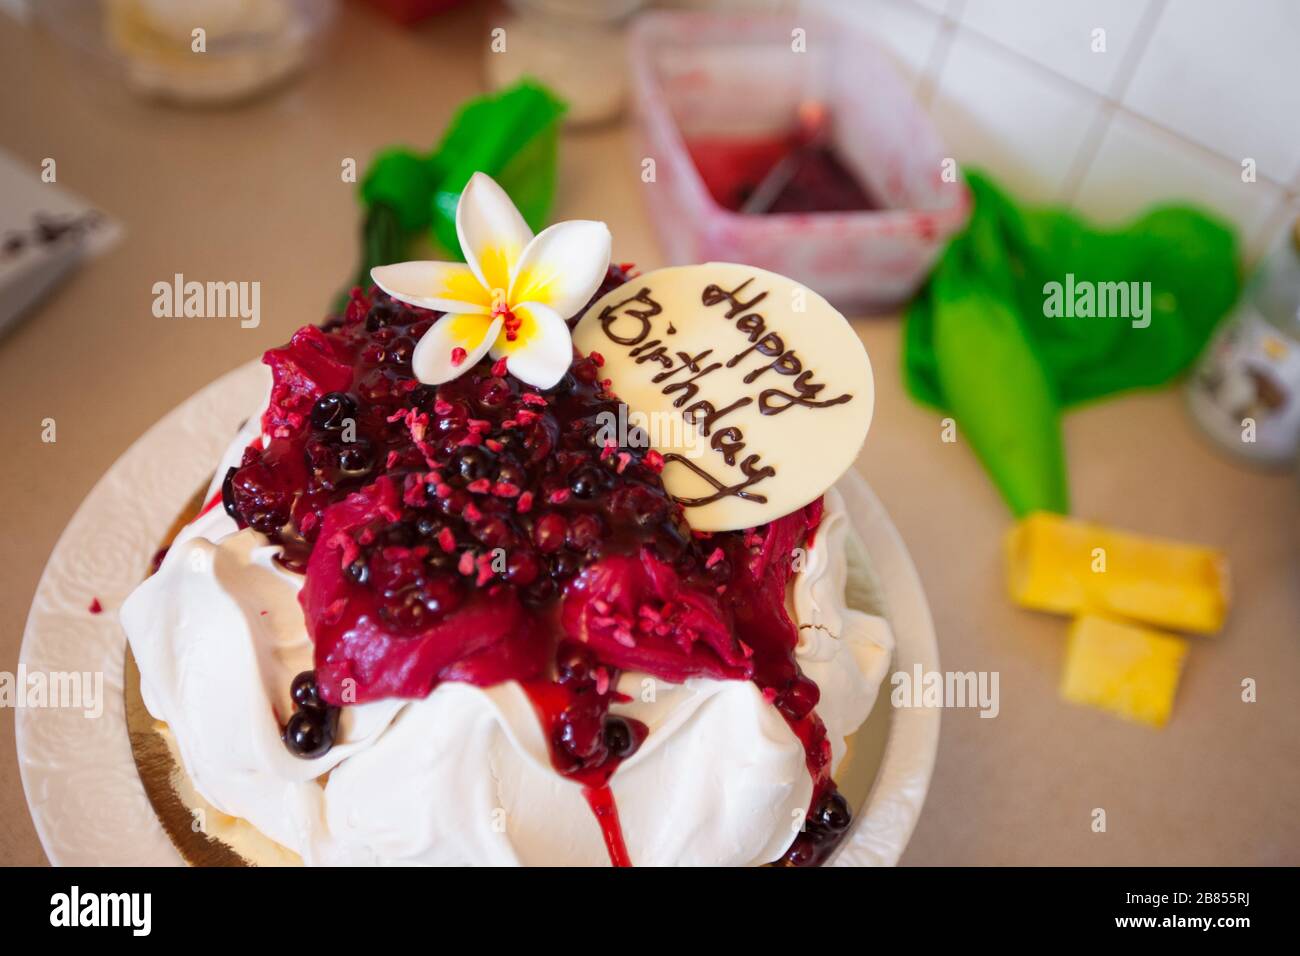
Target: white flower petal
(441,286)
(562,266)
(542,350)
(492,233)
(432,361)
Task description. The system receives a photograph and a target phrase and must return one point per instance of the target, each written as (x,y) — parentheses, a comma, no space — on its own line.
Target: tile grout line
(1088,149)
(1128,67)
(928,86)
(1258,246)
(1111,102)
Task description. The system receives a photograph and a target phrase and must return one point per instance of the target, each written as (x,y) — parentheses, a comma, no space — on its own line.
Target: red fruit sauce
(479,531)
(733,167)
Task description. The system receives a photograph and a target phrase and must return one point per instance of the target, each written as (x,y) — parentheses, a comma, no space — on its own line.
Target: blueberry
(310,733)
(358,572)
(473,462)
(588,482)
(510,439)
(512,473)
(228,492)
(381,315)
(331,411)
(305,692)
(803,852)
(618,737)
(399,353)
(832,812)
(419,605)
(565,565)
(355,458)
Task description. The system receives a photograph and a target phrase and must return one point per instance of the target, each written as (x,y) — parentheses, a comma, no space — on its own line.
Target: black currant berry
(310,732)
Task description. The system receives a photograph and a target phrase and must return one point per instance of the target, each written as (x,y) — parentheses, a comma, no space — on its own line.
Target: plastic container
(709,75)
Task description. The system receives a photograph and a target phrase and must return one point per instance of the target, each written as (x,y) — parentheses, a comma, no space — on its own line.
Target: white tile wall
(1060,36)
(1185,90)
(1010,116)
(1138,165)
(1227,75)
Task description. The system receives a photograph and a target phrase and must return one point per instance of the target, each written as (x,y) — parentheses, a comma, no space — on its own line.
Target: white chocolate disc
(756,391)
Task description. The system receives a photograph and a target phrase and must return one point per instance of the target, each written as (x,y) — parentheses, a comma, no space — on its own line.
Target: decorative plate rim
(79,776)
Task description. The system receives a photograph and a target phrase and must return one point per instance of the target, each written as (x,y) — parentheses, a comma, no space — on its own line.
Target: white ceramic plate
(79,775)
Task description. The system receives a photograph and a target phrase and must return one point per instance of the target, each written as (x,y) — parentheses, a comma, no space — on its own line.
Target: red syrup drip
(601,801)
(556,704)
(394,528)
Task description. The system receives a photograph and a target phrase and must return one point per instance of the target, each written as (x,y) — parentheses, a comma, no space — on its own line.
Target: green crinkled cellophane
(979,344)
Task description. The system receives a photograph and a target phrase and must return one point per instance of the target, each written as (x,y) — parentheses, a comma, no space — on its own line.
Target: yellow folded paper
(1128,670)
(1059,564)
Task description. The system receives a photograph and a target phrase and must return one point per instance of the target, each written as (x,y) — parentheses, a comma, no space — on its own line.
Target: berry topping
(482,530)
(824,828)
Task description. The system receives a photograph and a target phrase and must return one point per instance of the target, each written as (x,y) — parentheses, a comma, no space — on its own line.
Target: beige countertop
(255,194)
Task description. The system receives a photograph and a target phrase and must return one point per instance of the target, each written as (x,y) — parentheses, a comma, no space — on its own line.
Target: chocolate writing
(640,325)
(768,344)
(680,374)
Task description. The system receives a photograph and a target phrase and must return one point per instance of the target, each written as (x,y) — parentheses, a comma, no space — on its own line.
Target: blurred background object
(1246,392)
(987,341)
(410,12)
(725,100)
(575,47)
(192,52)
(45,233)
(1110,106)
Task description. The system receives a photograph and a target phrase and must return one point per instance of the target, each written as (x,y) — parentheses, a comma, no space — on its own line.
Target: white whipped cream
(463,776)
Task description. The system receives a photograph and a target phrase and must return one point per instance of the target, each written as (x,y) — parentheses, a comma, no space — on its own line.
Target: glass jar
(1245,392)
(574,47)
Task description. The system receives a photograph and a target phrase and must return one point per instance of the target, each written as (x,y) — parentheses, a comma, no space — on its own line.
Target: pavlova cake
(527,561)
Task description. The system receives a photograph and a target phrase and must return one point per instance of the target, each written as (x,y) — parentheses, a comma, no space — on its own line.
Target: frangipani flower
(509,298)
